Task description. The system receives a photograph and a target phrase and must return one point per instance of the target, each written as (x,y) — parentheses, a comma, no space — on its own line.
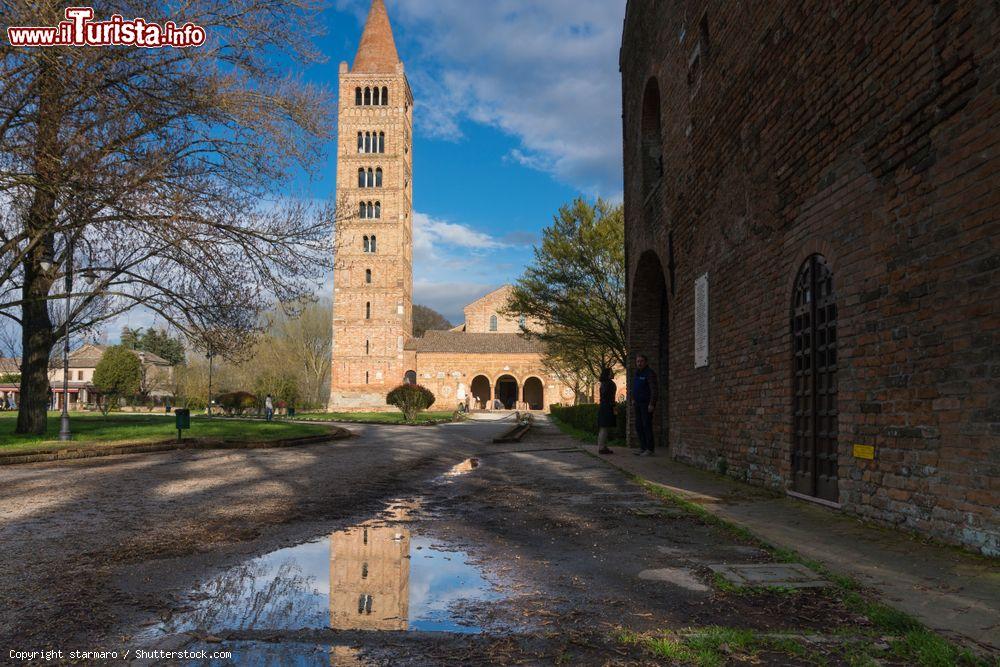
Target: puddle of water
(371,577)
(465,467)
(259,654)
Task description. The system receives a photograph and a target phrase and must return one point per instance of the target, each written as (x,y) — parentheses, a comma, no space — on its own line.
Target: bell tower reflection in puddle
(370,578)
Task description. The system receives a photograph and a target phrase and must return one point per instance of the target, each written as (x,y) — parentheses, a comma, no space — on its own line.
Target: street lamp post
(209,381)
(64,430)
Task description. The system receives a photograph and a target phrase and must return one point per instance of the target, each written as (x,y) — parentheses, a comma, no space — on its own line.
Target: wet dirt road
(391,548)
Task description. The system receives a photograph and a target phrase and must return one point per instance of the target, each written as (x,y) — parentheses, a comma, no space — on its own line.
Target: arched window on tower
(362,211)
(361,142)
(373,243)
(367,245)
(378,177)
(385,95)
(371,211)
(368,310)
(371,177)
(368,143)
(381,142)
(651,137)
(361,178)
(493,323)
(368,347)
(368,96)
(376,97)
(357,96)
(378,210)
(368,276)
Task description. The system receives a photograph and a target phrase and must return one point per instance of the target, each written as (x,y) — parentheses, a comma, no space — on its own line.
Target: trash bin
(291,412)
(183,417)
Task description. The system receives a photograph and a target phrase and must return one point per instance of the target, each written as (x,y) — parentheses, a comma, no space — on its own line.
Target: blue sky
(517,111)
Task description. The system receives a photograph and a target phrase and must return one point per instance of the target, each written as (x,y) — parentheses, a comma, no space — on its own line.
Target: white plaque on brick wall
(701,322)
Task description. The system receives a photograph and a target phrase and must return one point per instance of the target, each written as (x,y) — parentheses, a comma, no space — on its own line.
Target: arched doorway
(814,382)
(651,138)
(481,392)
(410,377)
(534,394)
(648,335)
(506,391)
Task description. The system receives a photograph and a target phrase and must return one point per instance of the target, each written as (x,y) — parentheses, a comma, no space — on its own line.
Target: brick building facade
(373,274)
(485,358)
(812,227)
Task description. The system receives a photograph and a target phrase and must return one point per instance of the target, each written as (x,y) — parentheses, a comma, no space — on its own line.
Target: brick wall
(865,132)
(478,313)
(446,373)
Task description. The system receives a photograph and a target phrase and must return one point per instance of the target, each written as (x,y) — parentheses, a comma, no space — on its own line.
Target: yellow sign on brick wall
(864,452)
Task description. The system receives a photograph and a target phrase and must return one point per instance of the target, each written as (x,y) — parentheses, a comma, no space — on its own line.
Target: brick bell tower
(373,275)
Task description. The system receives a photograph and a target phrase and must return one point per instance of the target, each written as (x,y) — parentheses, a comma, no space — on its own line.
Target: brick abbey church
(485,361)
(812,217)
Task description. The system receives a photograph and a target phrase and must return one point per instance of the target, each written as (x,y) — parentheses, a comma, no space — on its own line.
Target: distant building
(157,378)
(487,359)
(812,224)
(373,346)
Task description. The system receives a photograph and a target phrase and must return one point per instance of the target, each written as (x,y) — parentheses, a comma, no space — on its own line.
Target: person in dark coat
(606,419)
(645,391)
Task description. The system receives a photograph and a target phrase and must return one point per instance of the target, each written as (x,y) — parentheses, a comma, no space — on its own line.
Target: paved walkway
(953,593)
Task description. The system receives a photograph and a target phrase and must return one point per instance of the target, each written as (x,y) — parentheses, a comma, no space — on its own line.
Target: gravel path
(97,553)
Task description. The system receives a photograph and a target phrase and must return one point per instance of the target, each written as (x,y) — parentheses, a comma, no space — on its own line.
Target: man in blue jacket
(645,391)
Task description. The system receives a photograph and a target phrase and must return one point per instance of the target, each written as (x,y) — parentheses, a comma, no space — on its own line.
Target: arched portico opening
(410,377)
(481,392)
(648,335)
(506,391)
(534,394)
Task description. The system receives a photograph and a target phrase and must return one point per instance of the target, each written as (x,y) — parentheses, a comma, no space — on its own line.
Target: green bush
(584,418)
(237,402)
(410,399)
(118,375)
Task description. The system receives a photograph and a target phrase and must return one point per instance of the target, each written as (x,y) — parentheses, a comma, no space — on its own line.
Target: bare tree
(304,343)
(155,171)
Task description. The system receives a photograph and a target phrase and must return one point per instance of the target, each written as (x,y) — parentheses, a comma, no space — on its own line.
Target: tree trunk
(37,335)
(37,339)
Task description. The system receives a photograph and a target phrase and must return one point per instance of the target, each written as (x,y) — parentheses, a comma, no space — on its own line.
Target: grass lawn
(116,428)
(376,417)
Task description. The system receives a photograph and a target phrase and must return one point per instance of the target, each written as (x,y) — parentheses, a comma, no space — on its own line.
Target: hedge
(584,418)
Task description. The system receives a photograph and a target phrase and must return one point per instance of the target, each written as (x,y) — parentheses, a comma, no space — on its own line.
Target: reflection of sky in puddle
(368,578)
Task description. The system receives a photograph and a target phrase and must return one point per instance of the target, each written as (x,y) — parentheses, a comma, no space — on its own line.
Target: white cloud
(429,232)
(449,264)
(543,72)
(449,298)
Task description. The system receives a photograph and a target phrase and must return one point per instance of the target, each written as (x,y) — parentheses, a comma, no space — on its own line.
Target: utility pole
(64,431)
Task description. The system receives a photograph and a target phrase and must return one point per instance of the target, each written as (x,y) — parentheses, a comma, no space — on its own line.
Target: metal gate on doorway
(814,382)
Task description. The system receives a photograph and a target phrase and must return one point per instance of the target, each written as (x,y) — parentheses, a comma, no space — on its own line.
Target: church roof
(474,343)
(377,53)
